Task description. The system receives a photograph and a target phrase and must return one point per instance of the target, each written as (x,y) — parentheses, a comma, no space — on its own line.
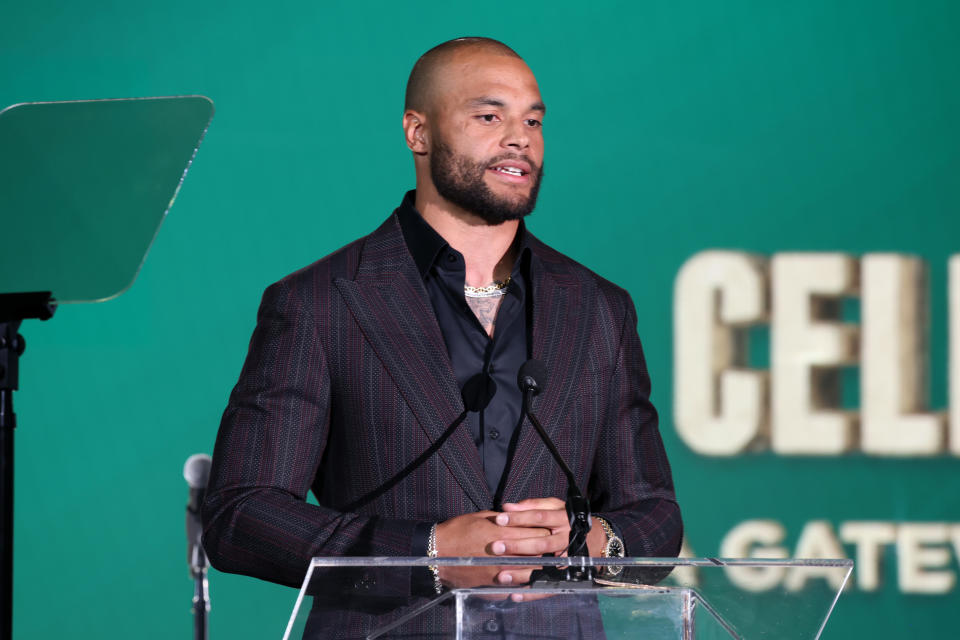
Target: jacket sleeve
(631,485)
(270,443)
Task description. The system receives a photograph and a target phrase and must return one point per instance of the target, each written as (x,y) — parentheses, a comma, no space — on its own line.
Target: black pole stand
(196,555)
(14,309)
(201,595)
(578,513)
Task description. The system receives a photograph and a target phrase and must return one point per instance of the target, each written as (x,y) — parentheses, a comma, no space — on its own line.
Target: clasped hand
(531,527)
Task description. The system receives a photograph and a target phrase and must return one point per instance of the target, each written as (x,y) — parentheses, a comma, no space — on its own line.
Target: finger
(503,533)
(499,547)
(530,597)
(530,546)
(549,518)
(535,503)
(514,576)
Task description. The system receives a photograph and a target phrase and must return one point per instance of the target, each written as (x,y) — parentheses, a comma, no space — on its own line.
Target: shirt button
(451,257)
(494,434)
(492,626)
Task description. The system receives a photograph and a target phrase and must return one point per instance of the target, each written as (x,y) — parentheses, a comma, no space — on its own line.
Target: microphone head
(196,470)
(532,376)
(478,391)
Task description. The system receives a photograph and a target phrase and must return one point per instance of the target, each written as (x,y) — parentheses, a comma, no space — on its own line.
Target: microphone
(196,471)
(532,379)
(477,393)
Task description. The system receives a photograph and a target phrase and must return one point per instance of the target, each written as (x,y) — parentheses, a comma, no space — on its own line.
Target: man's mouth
(514,171)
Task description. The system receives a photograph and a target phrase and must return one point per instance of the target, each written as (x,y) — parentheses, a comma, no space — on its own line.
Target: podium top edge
(396,561)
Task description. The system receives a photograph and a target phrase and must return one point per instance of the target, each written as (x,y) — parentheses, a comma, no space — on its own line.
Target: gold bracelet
(432,552)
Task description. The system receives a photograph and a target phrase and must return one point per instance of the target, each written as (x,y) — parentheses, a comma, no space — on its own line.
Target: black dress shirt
(471,350)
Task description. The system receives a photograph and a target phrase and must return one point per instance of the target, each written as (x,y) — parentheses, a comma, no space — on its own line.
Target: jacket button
(494,434)
(492,626)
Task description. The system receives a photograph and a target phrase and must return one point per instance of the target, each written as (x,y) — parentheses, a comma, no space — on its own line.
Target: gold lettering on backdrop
(808,345)
(817,541)
(894,360)
(954,305)
(924,552)
(755,539)
(869,538)
(922,560)
(720,403)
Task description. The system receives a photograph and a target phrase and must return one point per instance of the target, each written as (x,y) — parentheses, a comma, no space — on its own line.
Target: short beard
(461,181)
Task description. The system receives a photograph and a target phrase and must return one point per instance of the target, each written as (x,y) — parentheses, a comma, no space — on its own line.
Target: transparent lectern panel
(682,599)
(609,614)
(84,187)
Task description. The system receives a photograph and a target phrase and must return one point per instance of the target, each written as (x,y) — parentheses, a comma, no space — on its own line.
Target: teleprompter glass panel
(683,599)
(84,186)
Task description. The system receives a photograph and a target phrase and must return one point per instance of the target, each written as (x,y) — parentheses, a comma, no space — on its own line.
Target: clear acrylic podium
(650,598)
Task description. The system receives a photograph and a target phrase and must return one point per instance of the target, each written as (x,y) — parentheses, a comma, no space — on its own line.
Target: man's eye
(488,117)
(531,122)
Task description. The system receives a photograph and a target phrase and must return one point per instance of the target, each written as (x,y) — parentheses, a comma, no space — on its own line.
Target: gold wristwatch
(612,549)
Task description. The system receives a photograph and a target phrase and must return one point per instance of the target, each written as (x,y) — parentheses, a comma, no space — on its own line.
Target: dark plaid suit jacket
(348,379)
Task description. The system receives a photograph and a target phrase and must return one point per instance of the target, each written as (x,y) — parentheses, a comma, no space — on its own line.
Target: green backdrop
(673,127)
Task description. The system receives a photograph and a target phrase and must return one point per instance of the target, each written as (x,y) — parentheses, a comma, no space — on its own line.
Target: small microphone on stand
(196,471)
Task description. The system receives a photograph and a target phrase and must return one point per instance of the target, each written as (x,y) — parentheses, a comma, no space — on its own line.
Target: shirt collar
(426,245)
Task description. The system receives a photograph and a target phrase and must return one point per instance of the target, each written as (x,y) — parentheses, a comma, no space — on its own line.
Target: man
(359,362)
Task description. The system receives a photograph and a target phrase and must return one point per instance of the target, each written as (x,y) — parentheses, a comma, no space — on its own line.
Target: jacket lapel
(392,307)
(560,339)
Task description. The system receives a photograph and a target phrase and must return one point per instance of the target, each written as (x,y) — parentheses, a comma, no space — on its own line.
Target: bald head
(426,71)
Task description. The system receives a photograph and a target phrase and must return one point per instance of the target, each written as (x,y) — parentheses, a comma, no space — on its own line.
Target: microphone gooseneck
(532,380)
(477,393)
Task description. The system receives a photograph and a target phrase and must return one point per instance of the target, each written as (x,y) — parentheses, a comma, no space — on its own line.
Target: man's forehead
(488,78)
(487,64)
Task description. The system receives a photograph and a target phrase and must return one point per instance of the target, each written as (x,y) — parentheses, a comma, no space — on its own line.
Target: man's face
(486,152)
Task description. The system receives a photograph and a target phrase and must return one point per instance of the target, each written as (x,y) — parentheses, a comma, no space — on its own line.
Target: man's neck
(488,250)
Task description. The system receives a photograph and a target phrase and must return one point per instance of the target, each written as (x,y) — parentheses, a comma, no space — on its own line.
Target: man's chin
(513,205)
(492,204)
(507,215)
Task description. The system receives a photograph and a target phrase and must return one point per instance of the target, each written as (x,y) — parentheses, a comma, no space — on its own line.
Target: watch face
(614,548)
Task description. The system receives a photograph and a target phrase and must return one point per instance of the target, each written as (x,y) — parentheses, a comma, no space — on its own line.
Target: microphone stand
(201,593)
(578,511)
(196,472)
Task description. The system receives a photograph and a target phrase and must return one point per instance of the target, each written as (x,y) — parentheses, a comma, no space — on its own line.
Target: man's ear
(415,131)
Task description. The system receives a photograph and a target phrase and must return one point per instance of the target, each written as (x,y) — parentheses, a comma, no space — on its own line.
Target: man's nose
(516,135)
